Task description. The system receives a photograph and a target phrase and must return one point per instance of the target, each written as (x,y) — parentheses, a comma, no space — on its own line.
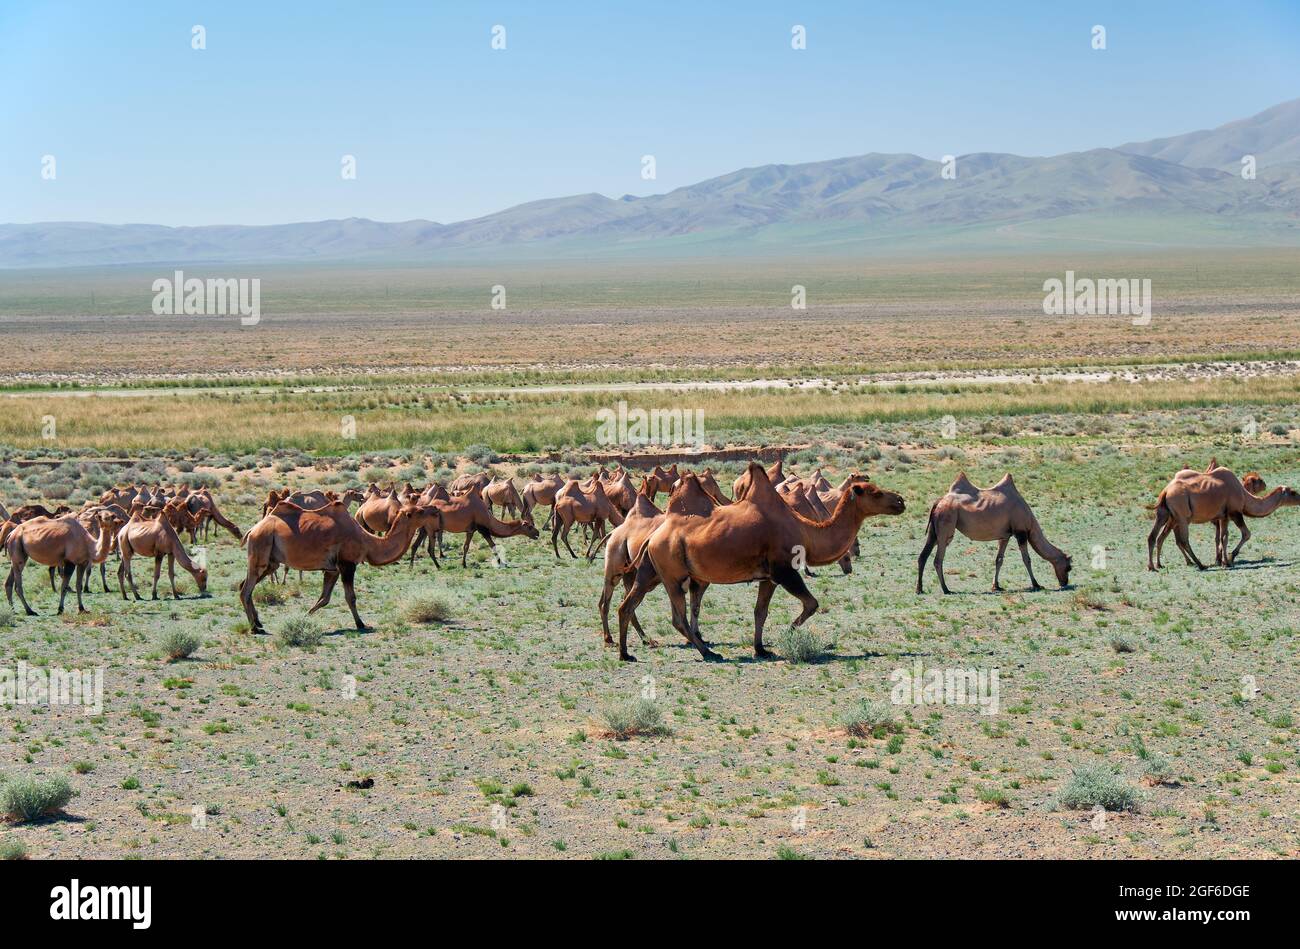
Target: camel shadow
(1263,563)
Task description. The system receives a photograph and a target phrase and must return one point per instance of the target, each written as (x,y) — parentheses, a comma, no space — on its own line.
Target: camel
(470,514)
(577,506)
(95,519)
(541,492)
(60,542)
(662,479)
(997,513)
(688,498)
(156,538)
(1252,482)
(1201,497)
(29,511)
(775,476)
(377,511)
(710,485)
(466,482)
(504,494)
(620,491)
(205,511)
(327,539)
(759,539)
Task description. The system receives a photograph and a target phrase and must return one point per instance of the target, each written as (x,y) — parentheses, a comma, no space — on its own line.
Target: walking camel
(327,539)
(982,514)
(760,539)
(60,542)
(1202,497)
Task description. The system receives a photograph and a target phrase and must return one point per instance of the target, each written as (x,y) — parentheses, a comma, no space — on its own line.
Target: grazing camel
(759,539)
(329,540)
(997,513)
(29,511)
(467,482)
(204,509)
(688,497)
(60,542)
(574,505)
(1201,497)
(155,538)
(470,514)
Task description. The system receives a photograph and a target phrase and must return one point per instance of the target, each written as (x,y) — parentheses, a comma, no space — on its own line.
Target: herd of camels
(773,529)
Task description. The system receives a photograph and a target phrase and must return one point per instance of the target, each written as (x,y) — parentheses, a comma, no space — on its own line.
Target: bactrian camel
(1203,497)
(759,538)
(998,513)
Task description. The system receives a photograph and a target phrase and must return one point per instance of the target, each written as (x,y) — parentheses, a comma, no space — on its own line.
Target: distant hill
(1272,136)
(1189,183)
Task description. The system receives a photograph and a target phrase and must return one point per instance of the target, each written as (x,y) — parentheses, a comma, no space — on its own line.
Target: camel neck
(1261,507)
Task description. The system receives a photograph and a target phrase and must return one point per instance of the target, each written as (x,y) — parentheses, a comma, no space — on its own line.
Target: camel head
(201,579)
(1062,568)
(1290,497)
(870,499)
(1253,482)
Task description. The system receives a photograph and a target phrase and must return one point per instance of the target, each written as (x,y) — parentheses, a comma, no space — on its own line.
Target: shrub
(799,644)
(300,632)
(7,617)
(868,717)
(29,799)
(1157,770)
(1099,784)
(13,850)
(639,717)
(178,644)
(1122,644)
(425,607)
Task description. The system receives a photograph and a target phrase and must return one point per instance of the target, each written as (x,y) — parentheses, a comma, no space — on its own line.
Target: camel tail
(1160,502)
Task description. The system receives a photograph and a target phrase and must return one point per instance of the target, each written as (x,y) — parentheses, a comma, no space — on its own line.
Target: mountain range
(1170,190)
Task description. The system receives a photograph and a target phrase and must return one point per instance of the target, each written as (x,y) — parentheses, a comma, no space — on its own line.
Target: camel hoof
(32,613)
(708,655)
(652,644)
(998,588)
(626,657)
(763,653)
(1035,588)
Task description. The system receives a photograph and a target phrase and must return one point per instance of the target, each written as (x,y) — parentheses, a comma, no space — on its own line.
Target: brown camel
(155,538)
(574,505)
(503,494)
(775,476)
(60,542)
(710,485)
(377,511)
(1201,497)
(470,514)
(541,492)
(806,502)
(662,479)
(760,539)
(620,491)
(204,509)
(688,497)
(328,539)
(997,513)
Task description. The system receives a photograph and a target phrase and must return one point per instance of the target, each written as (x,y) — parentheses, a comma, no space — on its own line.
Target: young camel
(1202,497)
(155,538)
(329,540)
(997,513)
(578,506)
(688,497)
(469,514)
(758,539)
(60,542)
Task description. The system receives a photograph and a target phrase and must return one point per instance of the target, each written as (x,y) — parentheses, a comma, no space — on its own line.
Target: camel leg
(646,641)
(765,590)
(943,537)
(1220,542)
(66,570)
(677,600)
(82,570)
(157,572)
(171,575)
(415,547)
(925,555)
(1022,540)
(1158,530)
(564,536)
(246,598)
(53,586)
(1185,545)
(1245,536)
(126,565)
(326,590)
(697,588)
(997,563)
(469,535)
(606,597)
(15,582)
(642,584)
(349,572)
(793,584)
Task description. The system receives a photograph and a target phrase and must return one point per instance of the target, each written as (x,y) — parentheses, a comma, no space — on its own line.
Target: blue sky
(252,129)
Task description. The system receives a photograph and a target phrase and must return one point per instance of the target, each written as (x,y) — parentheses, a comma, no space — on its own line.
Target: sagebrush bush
(178,644)
(1157,770)
(868,717)
(13,849)
(638,717)
(300,632)
(425,607)
(29,799)
(799,644)
(1099,784)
